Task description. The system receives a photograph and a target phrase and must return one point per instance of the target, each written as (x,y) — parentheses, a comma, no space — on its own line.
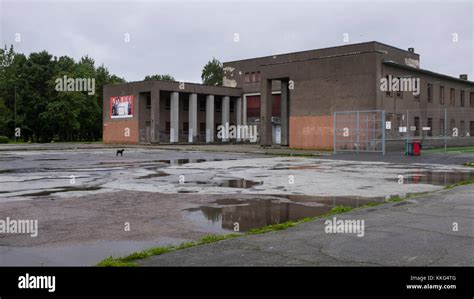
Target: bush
(4,139)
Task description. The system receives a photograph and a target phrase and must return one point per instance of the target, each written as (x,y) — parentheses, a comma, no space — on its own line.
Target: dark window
(168,104)
(202,128)
(388,93)
(186,105)
(430,125)
(148,101)
(441,127)
(218,106)
(429,95)
(417,126)
(202,105)
(167,127)
(471,128)
(462,128)
(258,77)
(452,97)
(452,125)
(247,78)
(471,100)
(441,95)
(185,127)
(231,104)
(461,96)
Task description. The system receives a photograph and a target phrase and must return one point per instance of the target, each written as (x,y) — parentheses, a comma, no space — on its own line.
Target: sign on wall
(121,107)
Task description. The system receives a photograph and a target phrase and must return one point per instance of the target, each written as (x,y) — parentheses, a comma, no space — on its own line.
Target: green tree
(213,73)
(165,77)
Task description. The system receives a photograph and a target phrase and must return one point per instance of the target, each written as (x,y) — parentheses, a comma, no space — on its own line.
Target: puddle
(153,175)
(252,213)
(239,183)
(435,177)
(298,167)
(351,201)
(62,189)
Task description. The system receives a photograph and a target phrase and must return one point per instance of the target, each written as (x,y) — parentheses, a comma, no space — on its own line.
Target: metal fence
(359,131)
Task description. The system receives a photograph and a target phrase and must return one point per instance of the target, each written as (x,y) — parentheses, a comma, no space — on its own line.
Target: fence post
(335,133)
(383,132)
(445,129)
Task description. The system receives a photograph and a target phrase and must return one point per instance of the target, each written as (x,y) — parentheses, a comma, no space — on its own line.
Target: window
(247,78)
(148,101)
(168,104)
(186,105)
(471,100)
(167,127)
(202,105)
(461,96)
(471,128)
(388,93)
(452,97)
(452,125)
(417,126)
(429,124)
(218,106)
(253,77)
(462,128)
(429,94)
(231,105)
(441,95)
(185,127)
(441,127)
(258,77)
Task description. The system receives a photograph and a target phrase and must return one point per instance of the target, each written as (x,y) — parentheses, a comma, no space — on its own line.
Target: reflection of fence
(435,128)
(359,131)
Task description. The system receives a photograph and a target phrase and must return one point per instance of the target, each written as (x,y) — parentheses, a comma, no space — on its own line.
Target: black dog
(120,152)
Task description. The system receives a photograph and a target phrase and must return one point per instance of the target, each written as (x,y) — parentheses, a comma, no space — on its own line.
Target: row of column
(193,116)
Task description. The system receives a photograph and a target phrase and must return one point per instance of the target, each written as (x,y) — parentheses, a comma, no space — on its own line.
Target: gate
(359,131)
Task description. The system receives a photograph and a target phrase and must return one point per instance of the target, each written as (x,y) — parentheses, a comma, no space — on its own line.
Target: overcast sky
(179,37)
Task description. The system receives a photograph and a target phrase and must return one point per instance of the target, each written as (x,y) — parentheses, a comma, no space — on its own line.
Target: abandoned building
(293,99)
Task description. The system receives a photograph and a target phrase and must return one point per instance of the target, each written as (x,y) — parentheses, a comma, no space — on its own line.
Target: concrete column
(266,113)
(244,110)
(155,117)
(174,117)
(193,124)
(238,110)
(209,118)
(225,115)
(284,118)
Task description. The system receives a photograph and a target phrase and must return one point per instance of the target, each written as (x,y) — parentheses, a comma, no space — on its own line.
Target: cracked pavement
(416,232)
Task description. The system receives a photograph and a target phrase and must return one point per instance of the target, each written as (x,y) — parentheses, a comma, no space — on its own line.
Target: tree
(213,73)
(165,77)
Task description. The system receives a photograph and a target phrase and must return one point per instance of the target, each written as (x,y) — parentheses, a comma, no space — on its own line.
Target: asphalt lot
(84,198)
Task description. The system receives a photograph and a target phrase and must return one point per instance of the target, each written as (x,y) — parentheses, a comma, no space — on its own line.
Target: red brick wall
(114,131)
(312,132)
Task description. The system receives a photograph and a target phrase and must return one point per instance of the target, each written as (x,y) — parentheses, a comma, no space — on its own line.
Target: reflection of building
(292,98)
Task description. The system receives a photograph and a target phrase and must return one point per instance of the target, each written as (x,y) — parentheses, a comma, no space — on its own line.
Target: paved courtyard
(91,204)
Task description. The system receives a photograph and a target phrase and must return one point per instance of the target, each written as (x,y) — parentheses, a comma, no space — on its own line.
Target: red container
(416,148)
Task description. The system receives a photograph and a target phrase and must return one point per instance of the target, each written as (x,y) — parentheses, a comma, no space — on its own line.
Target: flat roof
(427,72)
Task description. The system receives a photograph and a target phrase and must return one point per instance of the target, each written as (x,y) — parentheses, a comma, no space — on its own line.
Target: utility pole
(14,129)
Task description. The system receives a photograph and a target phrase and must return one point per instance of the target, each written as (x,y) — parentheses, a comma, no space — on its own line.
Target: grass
(463,149)
(470,164)
(461,183)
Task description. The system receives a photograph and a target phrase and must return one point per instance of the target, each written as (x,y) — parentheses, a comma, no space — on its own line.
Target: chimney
(463,77)
(411,50)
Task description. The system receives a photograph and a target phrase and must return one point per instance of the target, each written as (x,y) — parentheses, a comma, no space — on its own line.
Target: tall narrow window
(462,128)
(429,94)
(429,124)
(417,126)
(202,105)
(441,95)
(441,127)
(452,97)
(461,96)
